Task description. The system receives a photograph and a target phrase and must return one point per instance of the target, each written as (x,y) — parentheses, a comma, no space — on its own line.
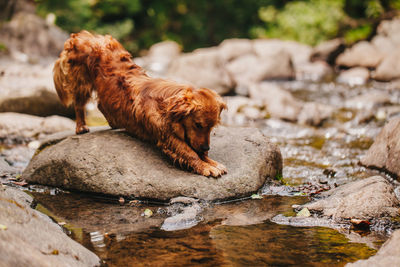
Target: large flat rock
(30,238)
(112,162)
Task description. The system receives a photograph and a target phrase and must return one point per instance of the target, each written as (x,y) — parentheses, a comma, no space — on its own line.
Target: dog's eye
(198,125)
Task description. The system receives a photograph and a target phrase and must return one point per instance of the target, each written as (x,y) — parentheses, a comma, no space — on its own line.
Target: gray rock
(250,68)
(384,153)
(32,35)
(187,218)
(388,254)
(314,71)
(354,76)
(111,162)
(32,239)
(231,49)
(384,44)
(234,115)
(17,126)
(362,54)
(28,88)
(328,51)
(314,114)
(279,103)
(390,29)
(389,68)
(161,55)
(299,53)
(5,168)
(203,68)
(365,199)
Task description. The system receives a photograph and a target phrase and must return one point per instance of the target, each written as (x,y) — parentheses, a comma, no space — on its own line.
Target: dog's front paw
(82,129)
(217,165)
(209,170)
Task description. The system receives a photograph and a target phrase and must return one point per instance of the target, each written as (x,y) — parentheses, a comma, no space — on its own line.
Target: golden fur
(177,118)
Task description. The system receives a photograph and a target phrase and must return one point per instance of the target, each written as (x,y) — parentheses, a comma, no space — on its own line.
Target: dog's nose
(205,147)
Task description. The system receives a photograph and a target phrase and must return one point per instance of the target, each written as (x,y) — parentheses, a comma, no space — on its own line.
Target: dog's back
(79,64)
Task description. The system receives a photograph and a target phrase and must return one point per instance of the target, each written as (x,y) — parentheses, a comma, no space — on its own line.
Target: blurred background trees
(140,23)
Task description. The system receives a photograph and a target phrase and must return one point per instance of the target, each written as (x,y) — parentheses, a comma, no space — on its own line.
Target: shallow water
(241,233)
(232,234)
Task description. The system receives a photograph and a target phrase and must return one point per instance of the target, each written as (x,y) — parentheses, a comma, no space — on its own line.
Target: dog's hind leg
(82,95)
(80,103)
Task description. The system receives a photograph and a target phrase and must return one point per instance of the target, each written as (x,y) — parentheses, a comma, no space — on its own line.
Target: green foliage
(359,33)
(140,23)
(3,48)
(306,21)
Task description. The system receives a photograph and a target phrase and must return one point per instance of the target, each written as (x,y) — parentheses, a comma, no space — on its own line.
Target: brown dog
(177,118)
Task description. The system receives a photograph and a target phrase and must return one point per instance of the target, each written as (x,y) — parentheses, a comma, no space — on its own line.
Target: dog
(177,118)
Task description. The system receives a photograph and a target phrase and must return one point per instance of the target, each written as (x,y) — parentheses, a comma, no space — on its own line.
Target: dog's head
(193,114)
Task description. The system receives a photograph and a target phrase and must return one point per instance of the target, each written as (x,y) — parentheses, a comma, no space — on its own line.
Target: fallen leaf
(147,213)
(55,252)
(3,227)
(62,223)
(256,196)
(303,213)
(121,200)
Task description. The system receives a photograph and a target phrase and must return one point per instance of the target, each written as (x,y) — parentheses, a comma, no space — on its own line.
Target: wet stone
(30,238)
(132,168)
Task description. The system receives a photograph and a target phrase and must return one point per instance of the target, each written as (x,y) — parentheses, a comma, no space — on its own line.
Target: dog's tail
(72,71)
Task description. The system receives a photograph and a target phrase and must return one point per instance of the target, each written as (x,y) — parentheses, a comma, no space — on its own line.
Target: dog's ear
(180,105)
(222,104)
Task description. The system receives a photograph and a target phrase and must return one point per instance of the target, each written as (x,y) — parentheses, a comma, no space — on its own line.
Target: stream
(241,233)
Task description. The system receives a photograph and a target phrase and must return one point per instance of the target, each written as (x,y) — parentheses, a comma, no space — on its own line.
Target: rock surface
(388,254)
(28,88)
(365,199)
(129,167)
(203,68)
(23,127)
(362,54)
(384,153)
(33,36)
(32,239)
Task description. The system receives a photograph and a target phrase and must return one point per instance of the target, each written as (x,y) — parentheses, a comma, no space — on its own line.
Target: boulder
(202,68)
(354,76)
(15,126)
(28,88)
(314,71)
(314,114)
(388,254)
(299,53)
(389,68)
(241,110)
(365,199)
(230,49)
(29,238)
(328,51)
(132,168)
(390,29)
(384,44)
(362,54)
(160,56)
(279,103)
(33,36)
(384,153)
(250,69)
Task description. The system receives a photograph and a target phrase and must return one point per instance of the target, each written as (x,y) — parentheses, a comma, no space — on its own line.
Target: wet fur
(177,118)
